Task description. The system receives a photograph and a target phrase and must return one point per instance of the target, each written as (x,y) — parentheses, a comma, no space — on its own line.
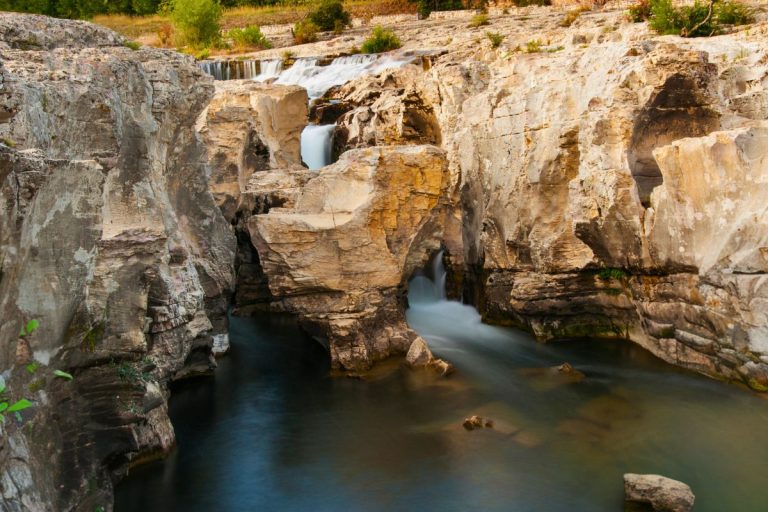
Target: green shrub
(526,3)
(572,16)
(249,37)
(640,11)
(196,21)
(695,20)
(425,7)
(305,31)
(479,20)
(329,14)
(133,45)
(495,38)
(380,40)
(533,46)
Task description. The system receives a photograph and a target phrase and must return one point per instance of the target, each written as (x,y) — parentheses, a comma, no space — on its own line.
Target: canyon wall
(111,240)
(611,184)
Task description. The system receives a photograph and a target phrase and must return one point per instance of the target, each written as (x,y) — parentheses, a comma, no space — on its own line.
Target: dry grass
(146,28)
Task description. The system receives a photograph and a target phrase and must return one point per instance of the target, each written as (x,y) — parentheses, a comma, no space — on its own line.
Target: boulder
(661,493)
(355,233)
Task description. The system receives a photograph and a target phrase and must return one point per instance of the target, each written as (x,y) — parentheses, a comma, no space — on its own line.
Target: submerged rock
(661,493)
(476,422)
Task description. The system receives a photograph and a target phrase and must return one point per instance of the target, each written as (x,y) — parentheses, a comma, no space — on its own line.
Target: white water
(269,69)
(317,79)
(316,144)
(230,69)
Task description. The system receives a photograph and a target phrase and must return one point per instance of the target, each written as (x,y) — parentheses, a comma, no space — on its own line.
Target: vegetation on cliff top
(702,19)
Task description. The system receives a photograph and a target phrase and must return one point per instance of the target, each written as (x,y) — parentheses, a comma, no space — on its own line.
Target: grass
(148,27)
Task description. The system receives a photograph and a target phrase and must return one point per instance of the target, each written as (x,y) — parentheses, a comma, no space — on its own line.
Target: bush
(133,45)
(425,7)
(381,40)
(533,46)
(305,31)
(196,21)
(526,3)
(479,20)
(640,11)
(329,15)
(495,38)
(572,16)
(249,37)
(696,20)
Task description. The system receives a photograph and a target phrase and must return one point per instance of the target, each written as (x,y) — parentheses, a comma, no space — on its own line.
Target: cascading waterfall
(425,289)
(230,69)
(316,145)
(317,141)
(316,78)
(269,69)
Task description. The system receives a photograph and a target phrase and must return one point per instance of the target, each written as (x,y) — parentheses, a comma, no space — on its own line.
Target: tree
(196,21)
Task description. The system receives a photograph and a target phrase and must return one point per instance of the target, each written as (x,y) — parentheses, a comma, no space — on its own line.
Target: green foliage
(133,45)
(32,367)
(612,273)
(249,37)
(62,374)
(29,328)
(81,8)
(572,16)
(696,20)
(533,46)
(130,372)
(526,3)
(6,407)
(305,31)
(425,7)
(640,11)
(329,14)
(495,38)
(380,40)
(196,21)
(479,20)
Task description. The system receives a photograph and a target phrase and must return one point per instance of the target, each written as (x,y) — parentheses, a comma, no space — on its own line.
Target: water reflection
(274,432)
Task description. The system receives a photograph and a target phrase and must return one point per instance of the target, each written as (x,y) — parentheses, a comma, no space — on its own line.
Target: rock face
(661,493)
(250,127)
(110,238)
(339,257)
(624,202)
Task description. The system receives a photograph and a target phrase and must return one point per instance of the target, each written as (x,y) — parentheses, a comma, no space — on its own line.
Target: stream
(274,432)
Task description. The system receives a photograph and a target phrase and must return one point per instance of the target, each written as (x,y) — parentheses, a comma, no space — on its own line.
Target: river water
(273,432)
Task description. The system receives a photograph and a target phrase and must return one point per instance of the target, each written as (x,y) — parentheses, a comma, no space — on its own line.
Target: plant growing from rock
(196,22)
(7,408)
(479,20)
(495,38)
(381,40)
(572,16)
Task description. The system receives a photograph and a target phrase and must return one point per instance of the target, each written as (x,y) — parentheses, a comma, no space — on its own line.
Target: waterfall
(316,145)
(423,289)
(269,69)
(230,69)
(317,79)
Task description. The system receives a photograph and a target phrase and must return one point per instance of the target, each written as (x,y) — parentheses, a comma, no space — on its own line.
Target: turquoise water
(273,432)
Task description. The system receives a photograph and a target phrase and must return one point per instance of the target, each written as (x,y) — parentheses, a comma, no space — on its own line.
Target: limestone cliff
(110,238)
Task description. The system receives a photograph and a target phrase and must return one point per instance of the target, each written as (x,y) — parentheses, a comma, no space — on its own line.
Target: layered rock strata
(111,240)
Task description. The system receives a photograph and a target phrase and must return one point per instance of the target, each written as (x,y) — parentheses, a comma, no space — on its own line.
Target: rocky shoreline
(612,187)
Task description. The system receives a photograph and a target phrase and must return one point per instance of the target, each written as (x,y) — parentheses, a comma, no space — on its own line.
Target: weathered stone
(663,494)
(110,238)
(379,205)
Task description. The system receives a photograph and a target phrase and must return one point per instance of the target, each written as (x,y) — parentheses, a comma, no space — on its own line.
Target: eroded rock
(662,493)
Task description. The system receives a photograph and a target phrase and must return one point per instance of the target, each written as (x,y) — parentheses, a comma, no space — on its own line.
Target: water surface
(274,432)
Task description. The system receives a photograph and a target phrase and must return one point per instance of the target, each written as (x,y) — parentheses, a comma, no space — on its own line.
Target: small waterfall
(423,289)
(317,79)
(230,69)
(269,69)
(316,145)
